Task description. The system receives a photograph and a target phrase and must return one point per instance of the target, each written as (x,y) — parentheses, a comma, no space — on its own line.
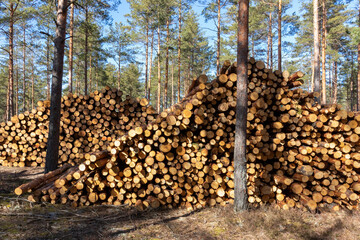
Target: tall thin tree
(323,54)
(240,178)
(71,46)
(52,152)
(179,54)
(358,74)
(316,49)
(279,35)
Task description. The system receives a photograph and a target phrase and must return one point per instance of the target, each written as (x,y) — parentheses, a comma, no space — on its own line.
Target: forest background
(154,49)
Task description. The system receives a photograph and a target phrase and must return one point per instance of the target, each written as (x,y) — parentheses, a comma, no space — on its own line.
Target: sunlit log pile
(88,124)
(299,154)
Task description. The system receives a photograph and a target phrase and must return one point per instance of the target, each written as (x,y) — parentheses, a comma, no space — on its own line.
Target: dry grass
(20,219)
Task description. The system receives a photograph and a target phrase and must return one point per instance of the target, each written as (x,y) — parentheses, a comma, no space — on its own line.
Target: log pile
(88,123)
(299,154)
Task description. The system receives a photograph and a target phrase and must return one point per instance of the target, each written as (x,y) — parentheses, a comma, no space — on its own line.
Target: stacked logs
(88,123)
(299,154)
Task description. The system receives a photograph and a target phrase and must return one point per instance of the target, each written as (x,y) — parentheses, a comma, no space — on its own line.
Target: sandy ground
(20,219)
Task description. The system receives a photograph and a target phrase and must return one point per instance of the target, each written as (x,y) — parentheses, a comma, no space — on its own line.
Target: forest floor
(20,219)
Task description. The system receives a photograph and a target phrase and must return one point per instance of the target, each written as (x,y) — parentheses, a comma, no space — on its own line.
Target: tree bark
(316,50)
(52,153)
(146,58)
(358,74)
(24,70)
(119,67)
(32,84)
(86,48)
(323,54)
(269,42)
(17,89)
(71,46)
(90,69)
(279,36)
(150,64)
(159,73)
(167,63)
(172,82)
(335,90)
(48,67)
(10,90)
(240,178)
(179,55)
(218,39)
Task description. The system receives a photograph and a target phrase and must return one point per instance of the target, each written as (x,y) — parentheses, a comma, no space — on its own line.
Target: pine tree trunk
(150,64)
(71,47)
(240,178)
(17,90)
(10,90)
(218,39)
(179,55)
(48,68)
(172,82)
(279,36)
(159,73)
(323,54)
(146,58)
(24,70)
(330,83)
(316,49)
(86,49)
(167,63)
(269,42)
(358,74)
(119,68)
(335,90)
(32,84)
(52,153)
(90,69)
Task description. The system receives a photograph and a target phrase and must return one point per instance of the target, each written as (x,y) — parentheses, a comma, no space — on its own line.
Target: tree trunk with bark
(358,74)
(146,58)
(240,176)
(269,41)
(179,55)
(316,49)
(48,67)
(24,66)
(32,84)
(71,46)
(86,48)
(52,153)
(167,63)
(279,35)
(323,53)
(335,91)
(119,68)
(159,73)
(218,39)
(150,64)
(10,89)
